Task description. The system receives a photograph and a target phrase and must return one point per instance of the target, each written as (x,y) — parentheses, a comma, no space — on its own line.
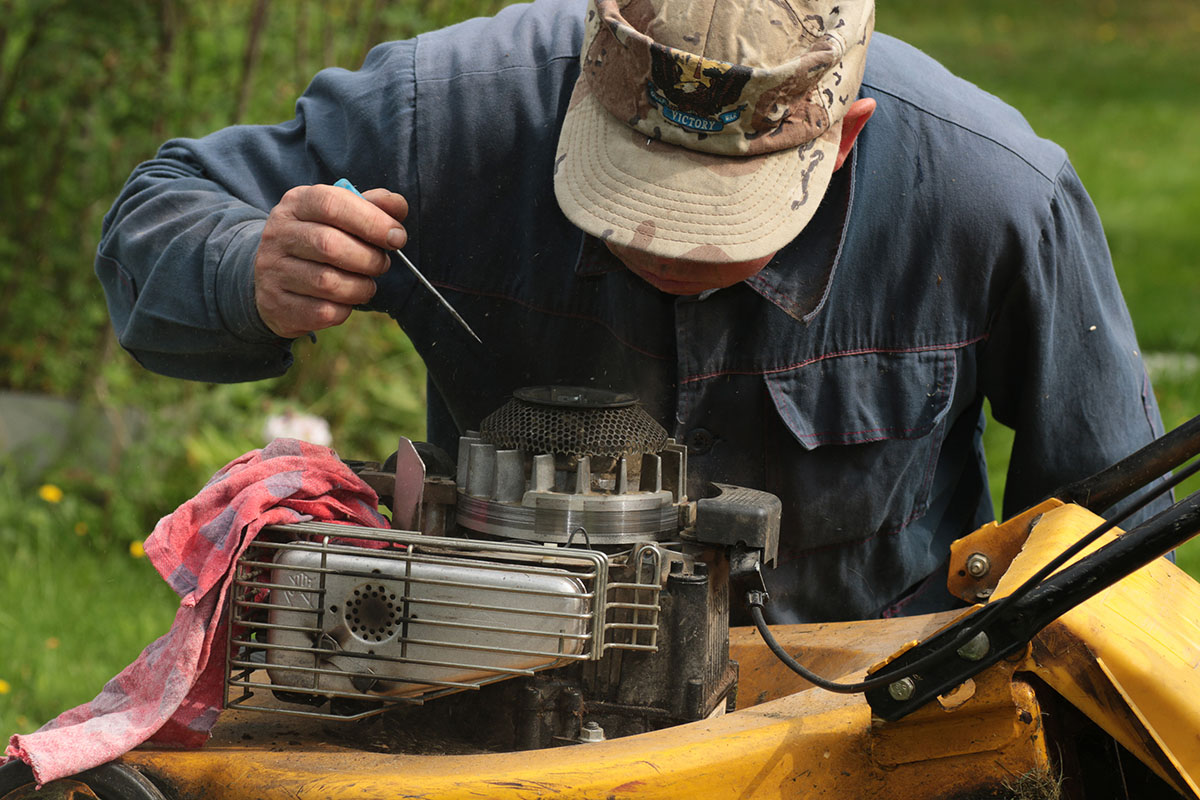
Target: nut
(591,732)
(978,565)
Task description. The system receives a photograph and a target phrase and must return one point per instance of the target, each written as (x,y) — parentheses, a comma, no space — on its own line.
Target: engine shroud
(572,465)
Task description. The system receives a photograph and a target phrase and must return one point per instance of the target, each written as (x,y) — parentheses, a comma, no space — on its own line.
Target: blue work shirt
(955,257)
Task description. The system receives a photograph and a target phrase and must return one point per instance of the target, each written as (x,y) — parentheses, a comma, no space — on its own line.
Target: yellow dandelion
(52,643)
(81,529)
(50,493)
(137,550)
(5,687)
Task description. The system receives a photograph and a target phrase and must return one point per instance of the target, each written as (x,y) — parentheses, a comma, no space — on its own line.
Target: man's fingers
(325,244)
(321,249)
(323,282)
(392,204)
(346,211)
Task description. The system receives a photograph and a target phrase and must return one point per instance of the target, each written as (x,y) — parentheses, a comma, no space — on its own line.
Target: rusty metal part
(999,544)
(65,789)
(111,781)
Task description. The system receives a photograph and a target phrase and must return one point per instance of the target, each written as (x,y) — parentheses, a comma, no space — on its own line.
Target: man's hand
(321,249)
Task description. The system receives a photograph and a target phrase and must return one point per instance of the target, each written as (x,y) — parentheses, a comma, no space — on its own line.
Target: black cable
(757,599)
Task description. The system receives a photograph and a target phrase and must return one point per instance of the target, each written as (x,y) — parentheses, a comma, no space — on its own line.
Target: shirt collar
(800,276)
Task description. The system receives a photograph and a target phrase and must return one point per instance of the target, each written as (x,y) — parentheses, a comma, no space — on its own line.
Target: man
(811,264)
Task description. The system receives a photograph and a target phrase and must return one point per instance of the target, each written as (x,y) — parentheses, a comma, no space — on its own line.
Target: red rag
(172,694)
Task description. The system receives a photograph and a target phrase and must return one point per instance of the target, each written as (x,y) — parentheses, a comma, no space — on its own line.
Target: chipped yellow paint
(999,543)
(1127,657)
(798,746)
(796,743)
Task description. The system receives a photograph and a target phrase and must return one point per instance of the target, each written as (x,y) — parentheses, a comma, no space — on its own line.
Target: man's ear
(852,124)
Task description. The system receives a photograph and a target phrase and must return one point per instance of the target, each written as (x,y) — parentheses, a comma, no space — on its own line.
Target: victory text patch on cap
(708,129)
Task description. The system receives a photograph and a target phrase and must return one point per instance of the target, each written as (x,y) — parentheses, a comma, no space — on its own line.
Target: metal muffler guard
(319,615)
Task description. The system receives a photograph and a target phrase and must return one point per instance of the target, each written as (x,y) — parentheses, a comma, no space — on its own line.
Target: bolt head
(902,689)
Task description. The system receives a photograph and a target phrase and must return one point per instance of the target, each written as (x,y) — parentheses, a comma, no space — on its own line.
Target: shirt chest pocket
(853,447)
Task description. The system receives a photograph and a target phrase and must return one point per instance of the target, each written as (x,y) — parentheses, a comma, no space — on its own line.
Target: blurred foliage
(88,90)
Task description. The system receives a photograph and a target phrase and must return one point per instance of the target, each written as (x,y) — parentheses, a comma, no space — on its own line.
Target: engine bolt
(592,732)
(902,689)
(978,565)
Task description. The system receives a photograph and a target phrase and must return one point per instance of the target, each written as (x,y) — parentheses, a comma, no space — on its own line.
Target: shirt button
(699,441)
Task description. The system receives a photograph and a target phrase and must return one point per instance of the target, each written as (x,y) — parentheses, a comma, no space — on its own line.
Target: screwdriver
(345,184)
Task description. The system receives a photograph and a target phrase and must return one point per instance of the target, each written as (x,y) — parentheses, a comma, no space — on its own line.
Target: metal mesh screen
(605,432)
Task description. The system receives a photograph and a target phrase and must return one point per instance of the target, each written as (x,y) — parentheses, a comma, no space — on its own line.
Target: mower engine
(560,552)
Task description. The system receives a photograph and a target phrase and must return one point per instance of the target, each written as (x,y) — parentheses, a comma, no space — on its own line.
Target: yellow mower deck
(799,744)
(1126,659)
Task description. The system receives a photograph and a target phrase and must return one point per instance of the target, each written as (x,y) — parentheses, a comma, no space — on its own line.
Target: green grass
(72,614)
(66,637)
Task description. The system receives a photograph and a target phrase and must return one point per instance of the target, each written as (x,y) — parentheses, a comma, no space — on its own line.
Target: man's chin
(676,287)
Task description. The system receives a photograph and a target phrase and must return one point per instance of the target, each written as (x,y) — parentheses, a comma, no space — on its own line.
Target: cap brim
(622,186)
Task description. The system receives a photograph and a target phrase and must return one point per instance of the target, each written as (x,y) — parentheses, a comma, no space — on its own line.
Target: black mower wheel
(107,782)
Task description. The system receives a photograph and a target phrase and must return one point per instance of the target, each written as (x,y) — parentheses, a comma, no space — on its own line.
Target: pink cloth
(171,695)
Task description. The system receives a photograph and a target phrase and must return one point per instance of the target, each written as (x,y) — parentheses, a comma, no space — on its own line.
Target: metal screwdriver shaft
(345,184)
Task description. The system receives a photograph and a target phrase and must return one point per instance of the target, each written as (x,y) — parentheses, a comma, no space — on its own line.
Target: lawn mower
(549,616)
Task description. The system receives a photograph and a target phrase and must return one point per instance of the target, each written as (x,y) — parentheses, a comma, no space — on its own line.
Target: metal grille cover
(573,421)
(315,614)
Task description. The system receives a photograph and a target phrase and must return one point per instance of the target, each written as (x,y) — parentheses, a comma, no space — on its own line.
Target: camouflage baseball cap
(708,129)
